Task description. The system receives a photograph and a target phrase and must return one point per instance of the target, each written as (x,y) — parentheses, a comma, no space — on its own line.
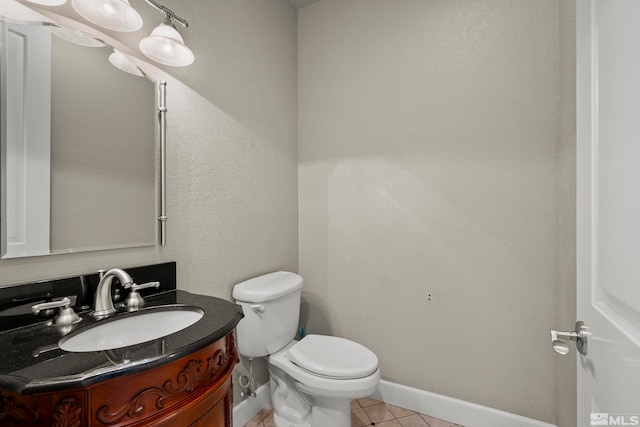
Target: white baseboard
(250,406)
(447,408)
(436,405)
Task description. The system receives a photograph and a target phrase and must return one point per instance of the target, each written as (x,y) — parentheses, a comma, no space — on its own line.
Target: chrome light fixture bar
(165,44)
(168,13)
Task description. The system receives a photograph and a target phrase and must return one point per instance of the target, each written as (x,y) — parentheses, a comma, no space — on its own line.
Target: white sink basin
(134,328)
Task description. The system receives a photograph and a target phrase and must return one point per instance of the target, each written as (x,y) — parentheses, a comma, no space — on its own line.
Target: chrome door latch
(559,339)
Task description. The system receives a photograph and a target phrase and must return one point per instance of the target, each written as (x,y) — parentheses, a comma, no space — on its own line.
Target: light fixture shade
(123,62)
(76,36)
(115,15)
(166,46)
(49,2)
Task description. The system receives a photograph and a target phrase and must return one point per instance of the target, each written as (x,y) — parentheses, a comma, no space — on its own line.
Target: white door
(608,210)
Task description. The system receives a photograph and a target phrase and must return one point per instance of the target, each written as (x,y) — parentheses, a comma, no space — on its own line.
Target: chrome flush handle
(559,339)
(258,308)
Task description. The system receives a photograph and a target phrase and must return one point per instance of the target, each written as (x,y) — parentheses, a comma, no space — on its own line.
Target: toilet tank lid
(267,287)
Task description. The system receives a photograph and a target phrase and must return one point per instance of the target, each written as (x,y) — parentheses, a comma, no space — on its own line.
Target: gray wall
(429,186)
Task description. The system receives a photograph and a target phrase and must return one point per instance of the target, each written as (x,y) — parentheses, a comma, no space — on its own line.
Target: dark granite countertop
(31,361)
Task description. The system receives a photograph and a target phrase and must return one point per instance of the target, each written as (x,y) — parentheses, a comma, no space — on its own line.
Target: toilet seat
(317,385)
(333,357)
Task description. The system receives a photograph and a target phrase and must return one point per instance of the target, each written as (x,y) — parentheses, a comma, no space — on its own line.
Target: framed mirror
(78,167)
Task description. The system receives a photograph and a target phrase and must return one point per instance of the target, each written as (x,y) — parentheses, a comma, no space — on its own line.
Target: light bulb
(115,15)
(123,62)
(166,46)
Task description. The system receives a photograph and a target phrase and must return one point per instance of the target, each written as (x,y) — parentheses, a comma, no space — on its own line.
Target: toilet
(312,380)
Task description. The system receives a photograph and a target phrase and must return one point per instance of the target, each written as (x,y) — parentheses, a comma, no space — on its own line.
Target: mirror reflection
(78,139)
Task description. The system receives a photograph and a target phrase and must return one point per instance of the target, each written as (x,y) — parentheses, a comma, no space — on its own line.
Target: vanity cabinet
(193,390)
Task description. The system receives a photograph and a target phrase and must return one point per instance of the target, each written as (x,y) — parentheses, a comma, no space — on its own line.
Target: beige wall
(429,192)
(232,177)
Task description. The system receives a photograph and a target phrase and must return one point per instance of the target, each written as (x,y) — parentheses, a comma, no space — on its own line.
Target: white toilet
(312,380)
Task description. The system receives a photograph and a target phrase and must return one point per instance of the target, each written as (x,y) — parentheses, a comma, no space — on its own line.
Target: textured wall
(232,159)
(428,176)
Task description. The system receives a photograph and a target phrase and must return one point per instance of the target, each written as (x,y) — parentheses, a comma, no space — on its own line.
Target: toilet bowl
(329,395)
(312,380)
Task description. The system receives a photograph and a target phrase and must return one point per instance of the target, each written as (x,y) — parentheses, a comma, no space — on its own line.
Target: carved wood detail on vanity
(17,412)
(195,390)
(68,413)
(196,373)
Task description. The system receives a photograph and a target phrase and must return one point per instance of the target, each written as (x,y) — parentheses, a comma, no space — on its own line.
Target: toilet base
(302,399)
(293,407)
(325,412)
(278,421)
(290,407)
(331,412)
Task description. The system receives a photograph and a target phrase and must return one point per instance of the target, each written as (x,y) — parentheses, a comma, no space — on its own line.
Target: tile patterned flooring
(368,412)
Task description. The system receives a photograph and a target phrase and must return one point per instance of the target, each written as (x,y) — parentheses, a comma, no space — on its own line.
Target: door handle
(559,339)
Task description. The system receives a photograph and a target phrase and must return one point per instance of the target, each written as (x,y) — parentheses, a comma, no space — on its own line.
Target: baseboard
(436,405)
(450,409)
(250,406)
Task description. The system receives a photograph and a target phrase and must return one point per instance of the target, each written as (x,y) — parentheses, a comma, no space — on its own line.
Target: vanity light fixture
(123,62)
(117,15)
(165,44)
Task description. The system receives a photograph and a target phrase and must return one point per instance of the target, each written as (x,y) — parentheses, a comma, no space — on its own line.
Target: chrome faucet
(103,304)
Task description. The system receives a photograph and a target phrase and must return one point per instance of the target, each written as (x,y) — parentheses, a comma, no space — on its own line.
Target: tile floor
(368,412)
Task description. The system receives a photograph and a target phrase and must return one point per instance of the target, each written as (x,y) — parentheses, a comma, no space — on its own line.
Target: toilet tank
(271,306)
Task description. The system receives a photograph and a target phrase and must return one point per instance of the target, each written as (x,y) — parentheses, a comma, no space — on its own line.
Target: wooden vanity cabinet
(195,390)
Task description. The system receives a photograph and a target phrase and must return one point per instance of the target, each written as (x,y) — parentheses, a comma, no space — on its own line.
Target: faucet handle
(135,287)
(65,317)
(135,300)
(62,303)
